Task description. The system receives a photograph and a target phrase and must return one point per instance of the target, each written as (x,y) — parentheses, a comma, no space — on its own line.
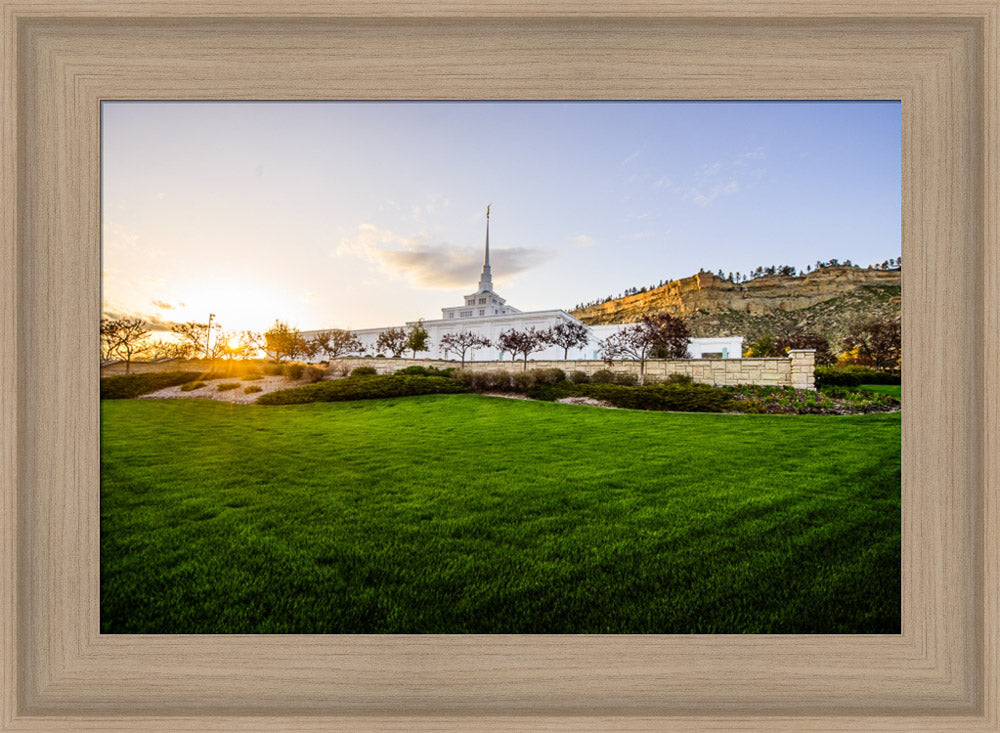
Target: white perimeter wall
(730,347)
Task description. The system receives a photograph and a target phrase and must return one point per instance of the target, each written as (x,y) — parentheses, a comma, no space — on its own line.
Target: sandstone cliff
(826,301)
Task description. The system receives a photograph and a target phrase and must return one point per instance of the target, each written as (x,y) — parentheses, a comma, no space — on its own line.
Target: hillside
(825,301)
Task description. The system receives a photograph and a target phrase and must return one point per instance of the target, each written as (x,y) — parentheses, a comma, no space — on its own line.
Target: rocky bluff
(826,301)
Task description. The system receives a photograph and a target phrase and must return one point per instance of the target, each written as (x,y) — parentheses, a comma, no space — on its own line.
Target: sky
(367,214)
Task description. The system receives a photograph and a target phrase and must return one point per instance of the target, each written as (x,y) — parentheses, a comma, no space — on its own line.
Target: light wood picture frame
(940,58)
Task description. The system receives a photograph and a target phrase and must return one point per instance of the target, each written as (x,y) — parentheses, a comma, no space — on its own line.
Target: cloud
(721,178)
(154,323)
(632,156)
(433,203)
(163,305)
(582,240)
(721,189)
(430,264)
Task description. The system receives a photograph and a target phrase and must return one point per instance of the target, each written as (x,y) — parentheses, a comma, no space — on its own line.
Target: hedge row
(362,388)
(852,376)
(672,397)
(127,386)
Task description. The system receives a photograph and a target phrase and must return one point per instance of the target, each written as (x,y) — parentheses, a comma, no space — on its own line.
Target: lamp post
(208,342)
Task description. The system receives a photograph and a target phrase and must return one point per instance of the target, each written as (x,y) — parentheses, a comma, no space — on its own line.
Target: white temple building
(486,313)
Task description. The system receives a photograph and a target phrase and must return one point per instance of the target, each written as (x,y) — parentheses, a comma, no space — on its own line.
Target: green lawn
(471,514)
(893,390)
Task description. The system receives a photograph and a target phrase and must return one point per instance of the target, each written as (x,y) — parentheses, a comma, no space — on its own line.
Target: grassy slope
(474,514)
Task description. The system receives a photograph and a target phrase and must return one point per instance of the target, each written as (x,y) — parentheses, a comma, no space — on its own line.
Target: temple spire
(486,279)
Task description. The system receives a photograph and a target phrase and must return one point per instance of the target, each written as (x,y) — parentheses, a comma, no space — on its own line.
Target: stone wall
(795,371)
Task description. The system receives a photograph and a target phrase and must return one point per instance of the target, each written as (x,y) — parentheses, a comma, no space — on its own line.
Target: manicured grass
(893,390)
(472,514)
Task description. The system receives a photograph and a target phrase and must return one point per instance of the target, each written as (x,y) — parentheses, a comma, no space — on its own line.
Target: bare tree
(569,335)
(525,342)
(669,334)
(282,341)
(161,349)
(461,342)
(196,335)
(340,342)
(251,342)
(638,342)
(123,338)
(393,340)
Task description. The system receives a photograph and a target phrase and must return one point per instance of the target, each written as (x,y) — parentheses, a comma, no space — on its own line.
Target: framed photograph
(62,669)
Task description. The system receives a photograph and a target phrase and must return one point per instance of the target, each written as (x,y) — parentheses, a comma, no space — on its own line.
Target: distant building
(486,313)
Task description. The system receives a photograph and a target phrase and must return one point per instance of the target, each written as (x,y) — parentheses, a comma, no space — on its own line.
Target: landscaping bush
(551,375)
(274,370)
(191,386)
(226,386)
(673,397)
(626,378)
(852,376)
(523,381)
(578,377)
(495,380)
(251,388)
(252,377)
(363,371)
(362,388)
(679,379)
(602,376)
(415,371)
(293,370)
(314,374)
(829,400)
(127,386)
(421,371)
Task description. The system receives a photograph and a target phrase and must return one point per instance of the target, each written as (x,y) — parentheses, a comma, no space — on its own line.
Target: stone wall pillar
(803,368)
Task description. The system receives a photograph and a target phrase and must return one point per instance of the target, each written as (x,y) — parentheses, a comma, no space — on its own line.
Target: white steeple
(486,279)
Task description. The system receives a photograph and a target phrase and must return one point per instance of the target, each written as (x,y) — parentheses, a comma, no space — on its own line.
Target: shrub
(578,377)
(552,375)
(495,380)
(602,376)
(251,388)
(421,371)
(293,370)
(252,377)
(674,397)
(127,386)
(191,386)
(523,381)
(274,370)
(553,392)
(226,386)
(363,371)
(679,379)
(362,388)
(314,374)
(830,400)
(416,370)
(626,378)
(852,376)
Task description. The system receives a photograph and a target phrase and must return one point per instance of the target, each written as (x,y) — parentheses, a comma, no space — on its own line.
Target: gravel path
(211,390)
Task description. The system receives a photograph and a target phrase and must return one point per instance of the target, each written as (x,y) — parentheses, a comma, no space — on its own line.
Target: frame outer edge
(10,435)
(510,9)
(990,375)
(989,637)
